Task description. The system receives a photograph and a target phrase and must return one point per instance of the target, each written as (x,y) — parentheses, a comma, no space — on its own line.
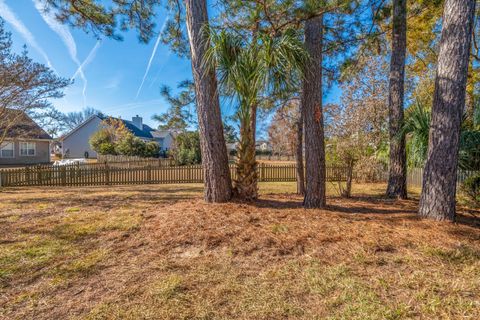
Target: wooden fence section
(136,161)
(106,174)
(415,176)
(267,157)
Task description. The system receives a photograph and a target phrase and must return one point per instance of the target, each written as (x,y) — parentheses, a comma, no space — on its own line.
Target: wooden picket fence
(415,176)
(136,161)
(264,157)
(107,174)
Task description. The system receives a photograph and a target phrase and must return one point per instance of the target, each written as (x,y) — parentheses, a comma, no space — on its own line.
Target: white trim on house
(3,146)
(29,145)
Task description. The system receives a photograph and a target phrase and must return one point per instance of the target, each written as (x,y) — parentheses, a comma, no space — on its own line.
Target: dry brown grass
(160,252)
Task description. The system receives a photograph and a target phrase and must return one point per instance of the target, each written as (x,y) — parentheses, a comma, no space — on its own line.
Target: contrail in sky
(67,38)
(11,18)
(152,56)
(88,60)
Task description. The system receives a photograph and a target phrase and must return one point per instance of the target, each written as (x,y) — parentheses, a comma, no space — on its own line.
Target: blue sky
(108,74)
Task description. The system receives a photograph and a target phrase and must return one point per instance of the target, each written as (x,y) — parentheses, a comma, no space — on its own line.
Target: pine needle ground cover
(160,252)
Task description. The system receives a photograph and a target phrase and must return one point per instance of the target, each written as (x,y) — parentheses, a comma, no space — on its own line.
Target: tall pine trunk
(245,184)
(397,177)
(218,186)
(311,102)
(440,177)
(299,153)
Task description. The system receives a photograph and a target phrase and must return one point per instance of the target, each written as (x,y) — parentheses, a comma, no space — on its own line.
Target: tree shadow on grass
(353,205)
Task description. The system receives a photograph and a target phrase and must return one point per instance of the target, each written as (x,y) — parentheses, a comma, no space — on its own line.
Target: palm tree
(249,71)
(416,127)
(397,177)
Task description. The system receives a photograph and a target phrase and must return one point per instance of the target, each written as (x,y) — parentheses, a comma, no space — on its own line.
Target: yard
(160,252)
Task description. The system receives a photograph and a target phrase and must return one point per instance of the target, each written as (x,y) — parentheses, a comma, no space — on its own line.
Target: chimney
(137,121)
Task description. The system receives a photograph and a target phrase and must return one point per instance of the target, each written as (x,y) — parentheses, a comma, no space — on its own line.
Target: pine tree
(397,177)
(440,177)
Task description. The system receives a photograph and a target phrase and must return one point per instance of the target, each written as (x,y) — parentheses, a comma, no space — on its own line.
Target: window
(27,149)
(6,150)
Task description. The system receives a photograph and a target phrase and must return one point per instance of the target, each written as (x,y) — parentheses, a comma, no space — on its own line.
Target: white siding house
(75,144)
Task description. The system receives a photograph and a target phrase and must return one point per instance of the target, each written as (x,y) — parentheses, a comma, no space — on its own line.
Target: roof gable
(146,132)
(23,128)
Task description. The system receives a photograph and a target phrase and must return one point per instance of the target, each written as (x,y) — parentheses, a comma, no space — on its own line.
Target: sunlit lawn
(160,252)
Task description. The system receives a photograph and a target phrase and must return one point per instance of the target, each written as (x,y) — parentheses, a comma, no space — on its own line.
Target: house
(25,142)
(231,147)
(75,144)
(263,146)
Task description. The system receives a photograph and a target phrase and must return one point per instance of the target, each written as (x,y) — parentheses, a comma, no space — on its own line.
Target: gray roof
(146,132)
(161,133)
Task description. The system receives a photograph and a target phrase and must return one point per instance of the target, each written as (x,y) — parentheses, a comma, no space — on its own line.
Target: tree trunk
(299,154)
(311,102)
(218,186)
(397,177)
(440,177)
(347,192)
(245,184)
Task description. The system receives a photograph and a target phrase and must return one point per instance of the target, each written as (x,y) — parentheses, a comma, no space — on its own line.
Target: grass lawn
(160,252)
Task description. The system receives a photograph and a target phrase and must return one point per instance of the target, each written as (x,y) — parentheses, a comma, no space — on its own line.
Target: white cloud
(12,19)
(133,105)
(114,82)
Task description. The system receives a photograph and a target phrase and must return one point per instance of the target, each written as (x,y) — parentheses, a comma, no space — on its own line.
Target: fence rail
(166,162)
(107,174)
(268,157)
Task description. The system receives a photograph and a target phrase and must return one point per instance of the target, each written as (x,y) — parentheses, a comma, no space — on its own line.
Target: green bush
(106,148)
(130,146)
(152,150)
(471,187)
(102,142)
(187,149)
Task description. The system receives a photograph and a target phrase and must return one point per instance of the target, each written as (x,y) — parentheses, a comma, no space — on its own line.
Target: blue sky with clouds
(121,78)
(107,74)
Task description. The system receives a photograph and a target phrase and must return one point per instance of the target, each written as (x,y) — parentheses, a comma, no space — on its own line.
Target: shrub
(471,187)
(130,146)
(152,150)
(263,152)
(187,149)
(106,148)
(369,169)
(102,142)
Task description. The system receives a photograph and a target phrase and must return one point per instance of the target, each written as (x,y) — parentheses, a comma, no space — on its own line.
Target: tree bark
(397,177)
(311,102)
(245,184)
(299,154)
(437,200)
(218,185)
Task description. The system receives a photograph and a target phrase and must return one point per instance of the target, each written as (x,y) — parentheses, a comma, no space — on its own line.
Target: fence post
(39,175)
(107,174)
(27,174)
(149,173)
(64,175)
